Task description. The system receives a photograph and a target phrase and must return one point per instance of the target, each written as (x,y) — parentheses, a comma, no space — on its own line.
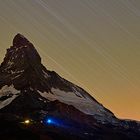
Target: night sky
(93,43)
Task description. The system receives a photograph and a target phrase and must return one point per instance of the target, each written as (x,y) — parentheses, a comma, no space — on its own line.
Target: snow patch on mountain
(17,72)
(85,105)
(10,92)
(45,74)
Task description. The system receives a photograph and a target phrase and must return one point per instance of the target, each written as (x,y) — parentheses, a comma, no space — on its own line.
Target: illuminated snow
(45,74)
(16,72)
(10,63)
(85,105)
(5,91)
(40,99)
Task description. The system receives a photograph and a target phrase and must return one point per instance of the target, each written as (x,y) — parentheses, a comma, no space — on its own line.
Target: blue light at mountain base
(49,121)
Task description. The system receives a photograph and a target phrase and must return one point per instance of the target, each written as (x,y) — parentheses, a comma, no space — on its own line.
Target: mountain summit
(23,70)
(27,88)
(22,65)
(21,55)
(19,40)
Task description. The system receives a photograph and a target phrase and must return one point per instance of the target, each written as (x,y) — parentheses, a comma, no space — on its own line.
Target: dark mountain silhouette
(29,90)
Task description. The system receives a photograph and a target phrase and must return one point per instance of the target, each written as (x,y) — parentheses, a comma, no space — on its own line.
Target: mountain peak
(21,55)
(20,40)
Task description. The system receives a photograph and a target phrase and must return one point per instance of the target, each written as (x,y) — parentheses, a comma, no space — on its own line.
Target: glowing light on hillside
(27,121)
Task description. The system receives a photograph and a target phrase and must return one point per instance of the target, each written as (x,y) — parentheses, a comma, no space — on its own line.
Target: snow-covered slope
(85,105)
(7,95)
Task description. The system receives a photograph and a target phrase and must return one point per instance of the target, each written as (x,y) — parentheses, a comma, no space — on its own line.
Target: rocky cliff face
(27,88)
